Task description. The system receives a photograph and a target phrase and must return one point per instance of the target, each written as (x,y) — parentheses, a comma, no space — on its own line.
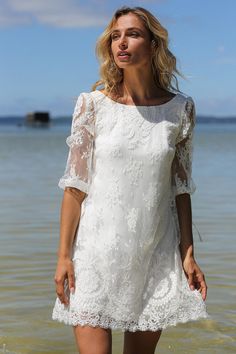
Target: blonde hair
(163,62)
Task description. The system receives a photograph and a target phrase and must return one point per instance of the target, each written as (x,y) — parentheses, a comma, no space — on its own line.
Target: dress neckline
(133,105)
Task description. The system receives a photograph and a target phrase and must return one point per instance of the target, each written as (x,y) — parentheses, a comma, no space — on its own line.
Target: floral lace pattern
(131,161)
(77,172)
(182,163)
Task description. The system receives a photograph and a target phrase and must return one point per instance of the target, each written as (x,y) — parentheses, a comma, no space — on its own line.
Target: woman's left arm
(195,276)
(183,187)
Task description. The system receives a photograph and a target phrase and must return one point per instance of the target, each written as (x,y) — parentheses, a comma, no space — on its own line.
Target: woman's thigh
(93,340)
(140,342)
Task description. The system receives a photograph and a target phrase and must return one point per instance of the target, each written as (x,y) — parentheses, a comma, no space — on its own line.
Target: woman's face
(130,36)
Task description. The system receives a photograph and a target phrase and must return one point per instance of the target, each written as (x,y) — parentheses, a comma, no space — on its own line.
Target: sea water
(31,163)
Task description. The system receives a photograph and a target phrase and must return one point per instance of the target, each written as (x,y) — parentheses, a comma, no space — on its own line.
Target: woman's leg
(93,340)
(140,342)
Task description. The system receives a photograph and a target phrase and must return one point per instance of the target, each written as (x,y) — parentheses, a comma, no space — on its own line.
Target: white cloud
(56,13)
(68,13)
(9,17)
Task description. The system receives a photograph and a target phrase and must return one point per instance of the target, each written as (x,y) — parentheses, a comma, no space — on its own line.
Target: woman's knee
(93,340)
(140,342)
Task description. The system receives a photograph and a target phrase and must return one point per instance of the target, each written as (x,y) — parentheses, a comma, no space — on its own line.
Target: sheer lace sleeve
(78,167)
(182,164)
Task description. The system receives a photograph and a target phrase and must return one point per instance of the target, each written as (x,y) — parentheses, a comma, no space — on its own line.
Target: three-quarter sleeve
(79,162)
(182,181)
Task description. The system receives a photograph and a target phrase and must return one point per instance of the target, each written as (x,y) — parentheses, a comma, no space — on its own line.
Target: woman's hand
(195,276)
(64,274)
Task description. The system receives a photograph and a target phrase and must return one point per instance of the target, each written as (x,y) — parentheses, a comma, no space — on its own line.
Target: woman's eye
(132,34)
(114,36)
(135,34)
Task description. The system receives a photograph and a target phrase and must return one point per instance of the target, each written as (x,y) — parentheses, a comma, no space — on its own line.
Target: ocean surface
(31,161)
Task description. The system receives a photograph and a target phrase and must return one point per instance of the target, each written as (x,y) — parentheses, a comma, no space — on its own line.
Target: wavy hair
(163,62)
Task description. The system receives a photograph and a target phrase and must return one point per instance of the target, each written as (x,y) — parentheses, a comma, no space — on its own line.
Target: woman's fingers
(203,288)
(64,280)
(201,284)
(60,285)
(196,278)
(204,291)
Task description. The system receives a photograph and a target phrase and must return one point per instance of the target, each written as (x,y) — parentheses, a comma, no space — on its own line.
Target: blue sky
(48,51)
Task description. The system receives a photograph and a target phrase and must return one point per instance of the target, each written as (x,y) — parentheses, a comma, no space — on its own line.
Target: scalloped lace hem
(132,326)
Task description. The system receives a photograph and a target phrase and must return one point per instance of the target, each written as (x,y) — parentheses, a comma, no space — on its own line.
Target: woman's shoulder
(90,100)
(184,97)
(89,95)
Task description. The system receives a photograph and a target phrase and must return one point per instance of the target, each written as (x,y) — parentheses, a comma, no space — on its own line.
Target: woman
(126,259)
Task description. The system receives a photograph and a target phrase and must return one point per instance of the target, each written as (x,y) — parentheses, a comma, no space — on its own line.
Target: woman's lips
(124,56)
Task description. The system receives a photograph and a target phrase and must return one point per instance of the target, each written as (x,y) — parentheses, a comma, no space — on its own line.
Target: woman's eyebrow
(128,29)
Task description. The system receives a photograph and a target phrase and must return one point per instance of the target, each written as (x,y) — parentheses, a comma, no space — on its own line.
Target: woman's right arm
(69,222)
(75,182)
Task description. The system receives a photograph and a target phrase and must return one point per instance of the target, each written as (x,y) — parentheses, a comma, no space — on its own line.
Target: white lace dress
(131,161)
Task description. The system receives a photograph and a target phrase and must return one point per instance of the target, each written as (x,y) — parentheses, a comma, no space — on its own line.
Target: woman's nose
(123,43)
